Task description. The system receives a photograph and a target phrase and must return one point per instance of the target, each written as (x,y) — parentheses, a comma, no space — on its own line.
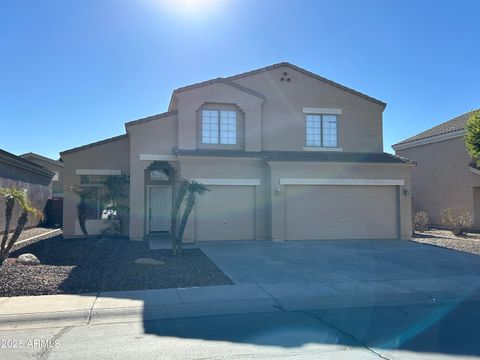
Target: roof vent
(285,77)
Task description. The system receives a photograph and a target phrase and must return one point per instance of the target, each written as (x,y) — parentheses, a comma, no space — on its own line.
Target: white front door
(160,207)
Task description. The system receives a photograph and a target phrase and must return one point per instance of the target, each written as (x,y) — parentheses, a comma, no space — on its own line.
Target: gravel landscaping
(90,265)
(444,238)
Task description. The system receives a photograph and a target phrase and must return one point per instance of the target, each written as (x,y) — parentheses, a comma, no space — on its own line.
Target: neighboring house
(54,208)
(445,175)
(56,166)
(34,179)
(287,155)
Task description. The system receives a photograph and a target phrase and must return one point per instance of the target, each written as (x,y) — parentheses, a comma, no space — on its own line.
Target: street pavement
(433,331)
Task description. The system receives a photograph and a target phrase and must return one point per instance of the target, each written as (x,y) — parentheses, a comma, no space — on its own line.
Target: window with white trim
(321,130)
(219,127)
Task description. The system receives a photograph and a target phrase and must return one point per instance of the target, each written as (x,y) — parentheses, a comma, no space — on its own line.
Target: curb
(137,313)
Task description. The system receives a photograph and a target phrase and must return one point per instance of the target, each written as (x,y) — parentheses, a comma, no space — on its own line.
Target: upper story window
(321,130)
(219,127)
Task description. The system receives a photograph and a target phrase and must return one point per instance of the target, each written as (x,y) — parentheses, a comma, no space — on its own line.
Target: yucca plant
(190,189)
(86,193)
(12,197)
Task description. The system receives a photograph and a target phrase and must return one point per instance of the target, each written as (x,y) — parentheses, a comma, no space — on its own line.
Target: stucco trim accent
(319,148)
(157,157)
(366,182)
(229,182)
(315,110)
(98,172)
(443,137)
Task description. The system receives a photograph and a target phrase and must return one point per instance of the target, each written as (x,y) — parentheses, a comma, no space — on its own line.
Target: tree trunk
(22,220)
(182,190)
(9,203)
(183,222)
(82,217)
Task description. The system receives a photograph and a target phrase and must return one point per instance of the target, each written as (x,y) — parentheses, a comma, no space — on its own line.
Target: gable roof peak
(230,81)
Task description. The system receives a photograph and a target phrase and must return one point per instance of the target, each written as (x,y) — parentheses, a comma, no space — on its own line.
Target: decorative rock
(28,259)
(148,261)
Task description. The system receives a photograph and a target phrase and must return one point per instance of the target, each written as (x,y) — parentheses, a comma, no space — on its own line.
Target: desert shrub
(472,136)
(458,220)
(421,221)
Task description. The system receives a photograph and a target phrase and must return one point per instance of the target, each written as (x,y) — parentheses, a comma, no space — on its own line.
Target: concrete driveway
(348,266)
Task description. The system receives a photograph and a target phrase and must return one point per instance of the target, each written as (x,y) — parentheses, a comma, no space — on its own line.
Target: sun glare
(192,7)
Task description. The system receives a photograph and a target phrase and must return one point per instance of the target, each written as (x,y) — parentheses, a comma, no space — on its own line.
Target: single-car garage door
(340,212)
(226,213)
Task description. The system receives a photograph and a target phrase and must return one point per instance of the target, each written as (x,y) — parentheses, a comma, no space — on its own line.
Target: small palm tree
(181,192)
(191,189)
(14,196)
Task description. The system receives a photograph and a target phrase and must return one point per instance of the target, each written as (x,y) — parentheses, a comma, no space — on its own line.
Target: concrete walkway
(110,307)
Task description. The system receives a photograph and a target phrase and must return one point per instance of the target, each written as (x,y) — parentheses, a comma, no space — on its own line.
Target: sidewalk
(123,306)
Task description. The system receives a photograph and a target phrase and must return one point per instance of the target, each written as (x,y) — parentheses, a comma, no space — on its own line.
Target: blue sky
(72,72)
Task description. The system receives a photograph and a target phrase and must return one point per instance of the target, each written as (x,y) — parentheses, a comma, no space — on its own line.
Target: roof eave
(44,158)
(149,118)
(97,143)
(24,164)
(428,140)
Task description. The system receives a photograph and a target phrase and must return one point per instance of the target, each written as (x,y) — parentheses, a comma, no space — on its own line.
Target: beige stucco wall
(315,170)
(114,155)
(189,102)
(157,137)
(283,122)
(230,168)
(442,178)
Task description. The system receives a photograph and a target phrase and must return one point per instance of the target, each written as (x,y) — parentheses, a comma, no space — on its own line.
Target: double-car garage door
(312,212)
(340,212)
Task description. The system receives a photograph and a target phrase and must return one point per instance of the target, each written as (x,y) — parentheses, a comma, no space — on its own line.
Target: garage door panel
(226,213)
(340,212)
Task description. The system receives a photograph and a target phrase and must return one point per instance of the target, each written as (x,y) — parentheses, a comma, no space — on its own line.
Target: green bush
(472,136)
(458,220)
(421,221)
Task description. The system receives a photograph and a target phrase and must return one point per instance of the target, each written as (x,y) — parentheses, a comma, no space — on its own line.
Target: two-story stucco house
(445,175)
(287,155)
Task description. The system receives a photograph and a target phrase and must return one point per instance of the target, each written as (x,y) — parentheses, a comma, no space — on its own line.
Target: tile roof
(325,156)
(40,157)
(456,124)
(14,160)
(101,142)
(150,118)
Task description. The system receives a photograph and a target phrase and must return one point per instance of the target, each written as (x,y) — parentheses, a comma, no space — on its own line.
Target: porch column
(137,199)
